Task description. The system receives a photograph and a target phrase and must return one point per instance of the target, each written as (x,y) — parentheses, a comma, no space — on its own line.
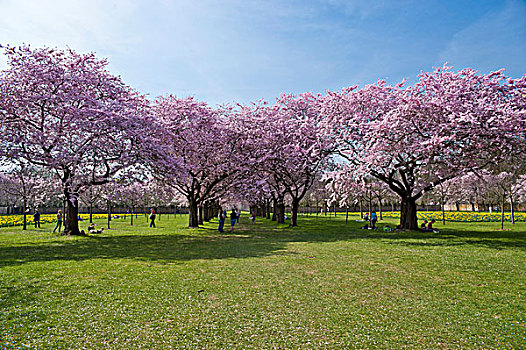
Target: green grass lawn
(323,285)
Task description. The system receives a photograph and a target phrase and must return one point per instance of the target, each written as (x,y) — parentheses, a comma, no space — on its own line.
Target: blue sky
(245,50)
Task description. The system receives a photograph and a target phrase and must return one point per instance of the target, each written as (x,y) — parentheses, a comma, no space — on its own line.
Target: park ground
(323,285)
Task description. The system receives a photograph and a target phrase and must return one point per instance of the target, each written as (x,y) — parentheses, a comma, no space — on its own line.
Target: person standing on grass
(59,222)
(221,217)
(233,218)
(374,219)
(152,218)
(36,218)
(238,214)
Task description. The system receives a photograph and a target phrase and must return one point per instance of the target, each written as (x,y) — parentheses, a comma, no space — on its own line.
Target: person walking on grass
(59,222)
(233,218)
(374,219)
(36,218)
(221,217)
(152,218)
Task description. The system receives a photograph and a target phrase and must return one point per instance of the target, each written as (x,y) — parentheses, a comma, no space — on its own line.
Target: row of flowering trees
(416,138)
(481,191)
(64,115)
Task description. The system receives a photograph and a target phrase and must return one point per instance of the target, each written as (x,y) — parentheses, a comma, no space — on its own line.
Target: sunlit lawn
(324,284)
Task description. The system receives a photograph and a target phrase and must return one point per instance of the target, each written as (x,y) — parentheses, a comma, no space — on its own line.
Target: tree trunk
(91,213)
(193,215)
(512,210)
(200,214)
(380,208)
(275,208)
(361,208)
(443,212)
(281,211)
(206,212)
(64,211)
(71,223)
(268,209)
(294,213)
(131,216)
(109,214)
(408,219)
(25,215)
(347,213)
(370,209)
(502,212)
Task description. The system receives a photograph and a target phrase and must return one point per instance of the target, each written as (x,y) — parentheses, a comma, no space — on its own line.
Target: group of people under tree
(91,227)
(428,226)
(234,218)
(373,220)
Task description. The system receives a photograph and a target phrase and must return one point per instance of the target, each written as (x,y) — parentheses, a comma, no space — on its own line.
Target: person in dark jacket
(221,217)
(36,218)
(152,218)
(233,219)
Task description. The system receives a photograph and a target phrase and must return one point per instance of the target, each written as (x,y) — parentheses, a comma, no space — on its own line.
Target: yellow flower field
(461,216)
(457,216)
(18,220)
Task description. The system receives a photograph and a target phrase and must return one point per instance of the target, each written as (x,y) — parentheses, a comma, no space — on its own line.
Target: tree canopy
(65,113)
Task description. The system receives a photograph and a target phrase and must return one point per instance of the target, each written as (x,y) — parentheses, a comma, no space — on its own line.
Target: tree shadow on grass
(260,240)
(158,248)
(485,239)
(331,231)
(492,244)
